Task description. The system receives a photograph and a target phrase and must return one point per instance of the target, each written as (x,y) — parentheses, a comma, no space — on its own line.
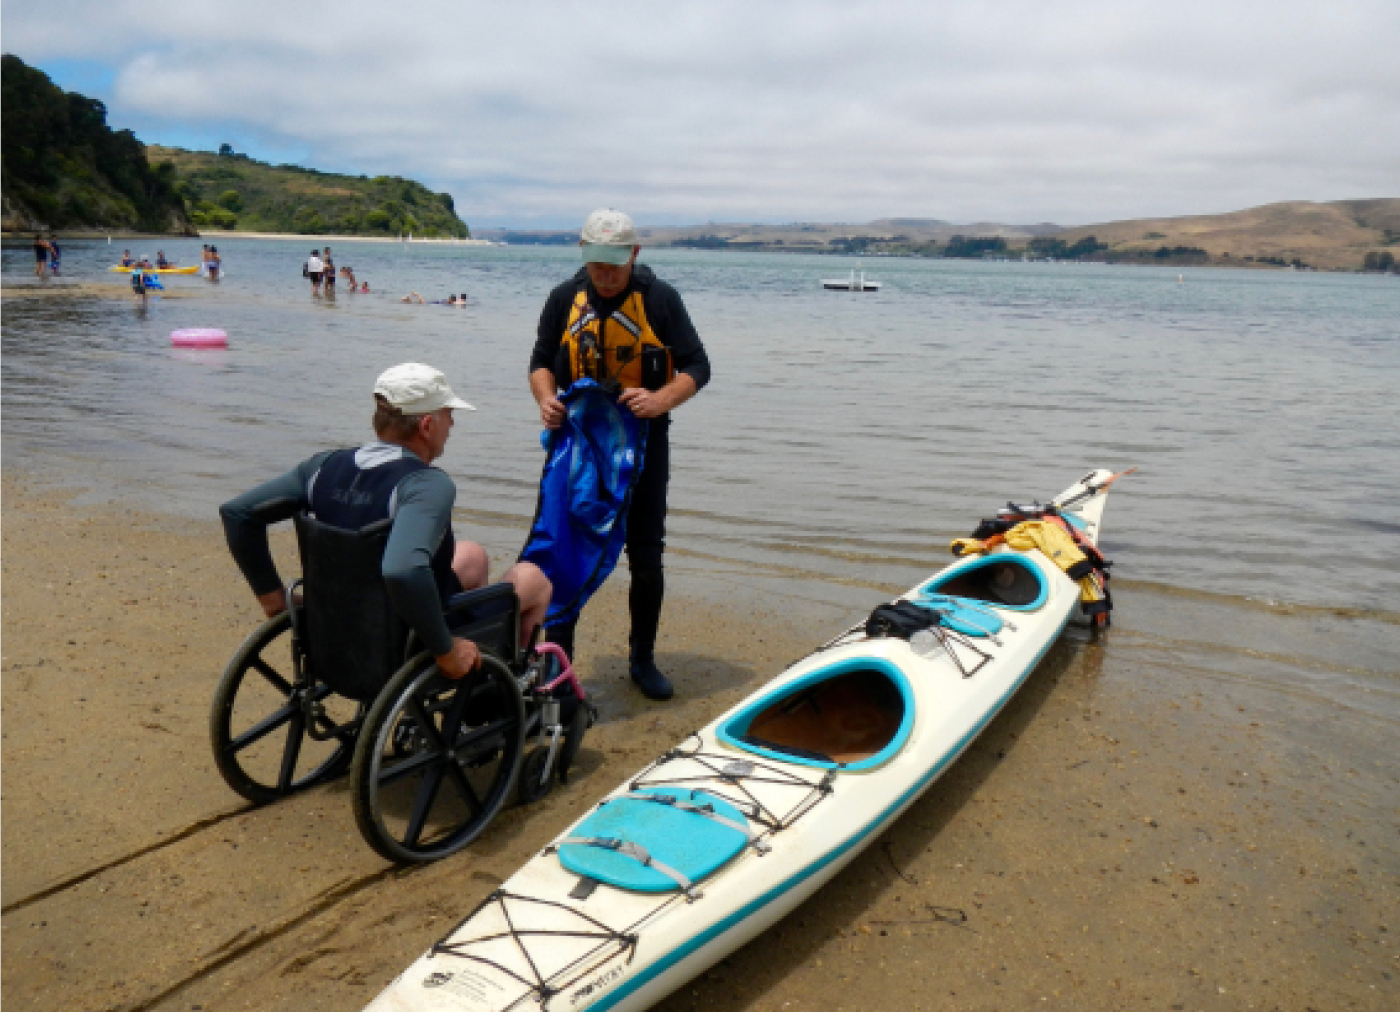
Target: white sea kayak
(714,841)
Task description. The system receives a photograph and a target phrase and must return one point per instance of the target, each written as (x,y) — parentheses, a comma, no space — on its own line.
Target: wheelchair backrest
(354,640)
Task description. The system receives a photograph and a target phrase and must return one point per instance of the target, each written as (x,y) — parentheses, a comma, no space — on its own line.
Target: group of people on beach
(604,323)
(319,268)
(47,255)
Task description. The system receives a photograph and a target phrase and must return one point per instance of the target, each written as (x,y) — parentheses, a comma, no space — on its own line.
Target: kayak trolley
(339,682)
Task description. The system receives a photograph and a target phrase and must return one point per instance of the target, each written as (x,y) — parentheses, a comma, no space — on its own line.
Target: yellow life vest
(613,352)
(1054,543)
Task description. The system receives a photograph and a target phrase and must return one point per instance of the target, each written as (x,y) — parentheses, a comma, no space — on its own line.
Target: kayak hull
(546,939)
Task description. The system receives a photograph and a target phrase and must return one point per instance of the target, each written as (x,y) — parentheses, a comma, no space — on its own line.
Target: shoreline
(1135,812)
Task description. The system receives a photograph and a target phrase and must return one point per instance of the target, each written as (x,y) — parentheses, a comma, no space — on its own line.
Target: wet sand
(1151,823)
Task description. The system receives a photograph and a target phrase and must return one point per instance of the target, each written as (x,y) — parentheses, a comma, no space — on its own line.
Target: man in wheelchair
(433,755)
(390,478)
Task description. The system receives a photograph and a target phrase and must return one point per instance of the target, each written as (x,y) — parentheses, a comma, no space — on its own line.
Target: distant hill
(1340,235)
(65,168)
(1333,236)
(884,235)
(888,234)
(234,192)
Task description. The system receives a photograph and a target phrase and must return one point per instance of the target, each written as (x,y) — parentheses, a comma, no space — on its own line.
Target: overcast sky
(530,114)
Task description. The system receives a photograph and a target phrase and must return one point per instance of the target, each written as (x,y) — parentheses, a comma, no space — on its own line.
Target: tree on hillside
(65,166)
(974,246)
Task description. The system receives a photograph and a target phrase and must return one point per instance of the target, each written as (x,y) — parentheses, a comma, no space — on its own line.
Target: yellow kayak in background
(158,270)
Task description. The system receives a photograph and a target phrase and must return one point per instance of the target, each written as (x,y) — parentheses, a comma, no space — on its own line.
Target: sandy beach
(1120,837)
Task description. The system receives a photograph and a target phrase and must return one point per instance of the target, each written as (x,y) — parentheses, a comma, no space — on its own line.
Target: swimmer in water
(412,297)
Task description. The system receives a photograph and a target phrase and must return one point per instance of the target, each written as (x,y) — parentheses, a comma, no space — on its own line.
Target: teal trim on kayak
(704,938)
(1070,518)
(952,572)
(732,730)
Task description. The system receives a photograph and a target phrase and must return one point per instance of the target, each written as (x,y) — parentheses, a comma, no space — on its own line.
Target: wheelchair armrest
(273,511)
(376,528)
(488,616)
(489,599)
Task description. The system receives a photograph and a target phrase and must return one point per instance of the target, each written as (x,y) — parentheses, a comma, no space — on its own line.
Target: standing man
(312,269)
(41,256)
(617,315)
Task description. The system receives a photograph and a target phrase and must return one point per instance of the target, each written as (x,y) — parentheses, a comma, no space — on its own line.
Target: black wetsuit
(353,488)
(646,517)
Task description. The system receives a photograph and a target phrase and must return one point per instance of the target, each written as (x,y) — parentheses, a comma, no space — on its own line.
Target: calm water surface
(844,437)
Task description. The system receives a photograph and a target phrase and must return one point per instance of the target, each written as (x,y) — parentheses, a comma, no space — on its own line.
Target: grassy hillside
(1333,236)
(65,168)
(1341,235)
(235,192)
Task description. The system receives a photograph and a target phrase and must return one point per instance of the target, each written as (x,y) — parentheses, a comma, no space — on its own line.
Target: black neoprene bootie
(650,680)
(644,602)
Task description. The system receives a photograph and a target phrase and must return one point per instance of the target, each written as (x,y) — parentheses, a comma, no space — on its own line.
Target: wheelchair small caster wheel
(533,784)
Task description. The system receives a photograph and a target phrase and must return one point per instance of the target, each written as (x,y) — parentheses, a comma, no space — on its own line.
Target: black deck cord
(760,813)
(537,986)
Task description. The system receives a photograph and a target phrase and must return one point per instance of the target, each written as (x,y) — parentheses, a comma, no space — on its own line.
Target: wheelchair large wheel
(258,726)
(437,758)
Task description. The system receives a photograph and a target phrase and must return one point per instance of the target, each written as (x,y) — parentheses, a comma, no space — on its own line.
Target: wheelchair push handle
(566,675)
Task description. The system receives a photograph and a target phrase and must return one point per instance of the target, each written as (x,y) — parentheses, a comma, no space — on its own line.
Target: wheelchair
(338,682)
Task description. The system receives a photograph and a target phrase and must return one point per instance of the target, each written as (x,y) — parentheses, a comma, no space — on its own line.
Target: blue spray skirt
(594,460)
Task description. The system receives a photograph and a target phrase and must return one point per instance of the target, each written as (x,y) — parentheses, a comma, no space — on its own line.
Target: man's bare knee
(531,585)
(471,565)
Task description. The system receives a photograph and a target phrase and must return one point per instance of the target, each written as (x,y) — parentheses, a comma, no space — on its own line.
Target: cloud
(1076,111)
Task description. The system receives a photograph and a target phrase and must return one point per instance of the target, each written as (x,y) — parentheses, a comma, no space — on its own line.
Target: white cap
(417,389)
(608,237)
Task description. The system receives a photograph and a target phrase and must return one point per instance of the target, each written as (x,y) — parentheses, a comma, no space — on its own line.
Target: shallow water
(845,436)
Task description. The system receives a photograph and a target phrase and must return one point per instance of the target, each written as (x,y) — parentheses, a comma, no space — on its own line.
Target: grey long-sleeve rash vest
(423,514)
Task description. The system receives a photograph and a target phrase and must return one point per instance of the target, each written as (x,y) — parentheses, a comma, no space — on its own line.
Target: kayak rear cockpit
(854,714)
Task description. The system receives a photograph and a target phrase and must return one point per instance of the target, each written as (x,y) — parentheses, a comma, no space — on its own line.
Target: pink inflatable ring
(199,337)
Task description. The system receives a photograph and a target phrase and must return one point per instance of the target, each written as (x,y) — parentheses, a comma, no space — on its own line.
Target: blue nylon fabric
(594,460)
(959,615)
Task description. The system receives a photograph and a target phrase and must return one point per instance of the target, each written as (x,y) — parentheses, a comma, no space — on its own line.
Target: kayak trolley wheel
(436,758)
(257,723)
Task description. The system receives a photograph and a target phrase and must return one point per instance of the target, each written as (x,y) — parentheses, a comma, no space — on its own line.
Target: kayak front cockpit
(854,714)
